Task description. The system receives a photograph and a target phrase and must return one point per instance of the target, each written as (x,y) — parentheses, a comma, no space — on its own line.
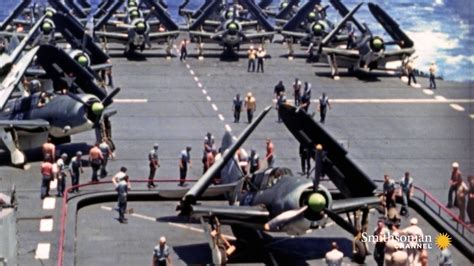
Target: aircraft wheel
(360,252)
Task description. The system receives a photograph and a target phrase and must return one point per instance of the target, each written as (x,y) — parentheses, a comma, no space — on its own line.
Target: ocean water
(441,29)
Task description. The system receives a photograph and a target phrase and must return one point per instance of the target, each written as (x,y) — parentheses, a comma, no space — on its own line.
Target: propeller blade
(342,9)
(264,3)
(203,183)
(301,15)
(108,99)
(391,26)
(286,11)
(160,12)
(259,15)
(77,98)
(339,26)
(285,218)
(205,14)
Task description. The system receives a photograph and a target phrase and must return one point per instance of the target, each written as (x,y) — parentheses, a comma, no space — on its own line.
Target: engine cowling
(82,58)
(316,201)
(140,26)
(47,26)
(377,44)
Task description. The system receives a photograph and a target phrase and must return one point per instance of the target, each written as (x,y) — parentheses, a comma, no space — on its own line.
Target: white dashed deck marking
(42,251)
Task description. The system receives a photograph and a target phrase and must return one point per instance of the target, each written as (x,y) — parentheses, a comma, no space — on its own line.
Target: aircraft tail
(231,171)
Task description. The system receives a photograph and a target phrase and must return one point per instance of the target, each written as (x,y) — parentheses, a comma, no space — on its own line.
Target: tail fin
(231,171)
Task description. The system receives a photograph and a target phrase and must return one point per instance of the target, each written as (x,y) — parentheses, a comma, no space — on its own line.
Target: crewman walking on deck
(254,161)
(270,156)
(184,50)
(75,170)
(95,160)
(106,154)
(432,70)
(237,108)
(305,157)
(281,99)
(297,91)
(260,58)
(154,164)
(252,54)
(161,254)
(250,105)
(454,182)
(49,148)
(63,169)
(406,187)
(323,106)
(411,72)
(209,146)
(122,186)
(389,192)
(47,176)
(279,88)
(184,164)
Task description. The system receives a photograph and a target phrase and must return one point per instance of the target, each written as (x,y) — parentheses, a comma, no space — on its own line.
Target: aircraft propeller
(336,29)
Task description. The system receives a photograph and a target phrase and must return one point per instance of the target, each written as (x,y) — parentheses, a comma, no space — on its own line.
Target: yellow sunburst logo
(443,240)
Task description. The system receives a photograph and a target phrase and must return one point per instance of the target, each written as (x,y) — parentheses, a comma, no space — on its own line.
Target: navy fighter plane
(230,33)
(368,52)
(140,32)
(274,200)
(26,121)
(315,26)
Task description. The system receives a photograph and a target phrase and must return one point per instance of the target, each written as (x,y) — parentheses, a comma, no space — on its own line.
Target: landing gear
(359,248)
(104,130)
(289,43)
(169,46)
(333,64)
(10,139)
(220,247)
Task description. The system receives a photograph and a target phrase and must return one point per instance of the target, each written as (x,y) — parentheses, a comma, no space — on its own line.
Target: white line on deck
(204,91)
(221,117)
(106,208)
(46,225)
(208,98)
(188,66)
(197,229)
(192,72)
(143,217)
(457,107)
(214,107)
(130,100)
(199,85)
(42,251)
(428,92)
(49,203)
(196,79)
(471,116)
(437,99)
(227,127)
